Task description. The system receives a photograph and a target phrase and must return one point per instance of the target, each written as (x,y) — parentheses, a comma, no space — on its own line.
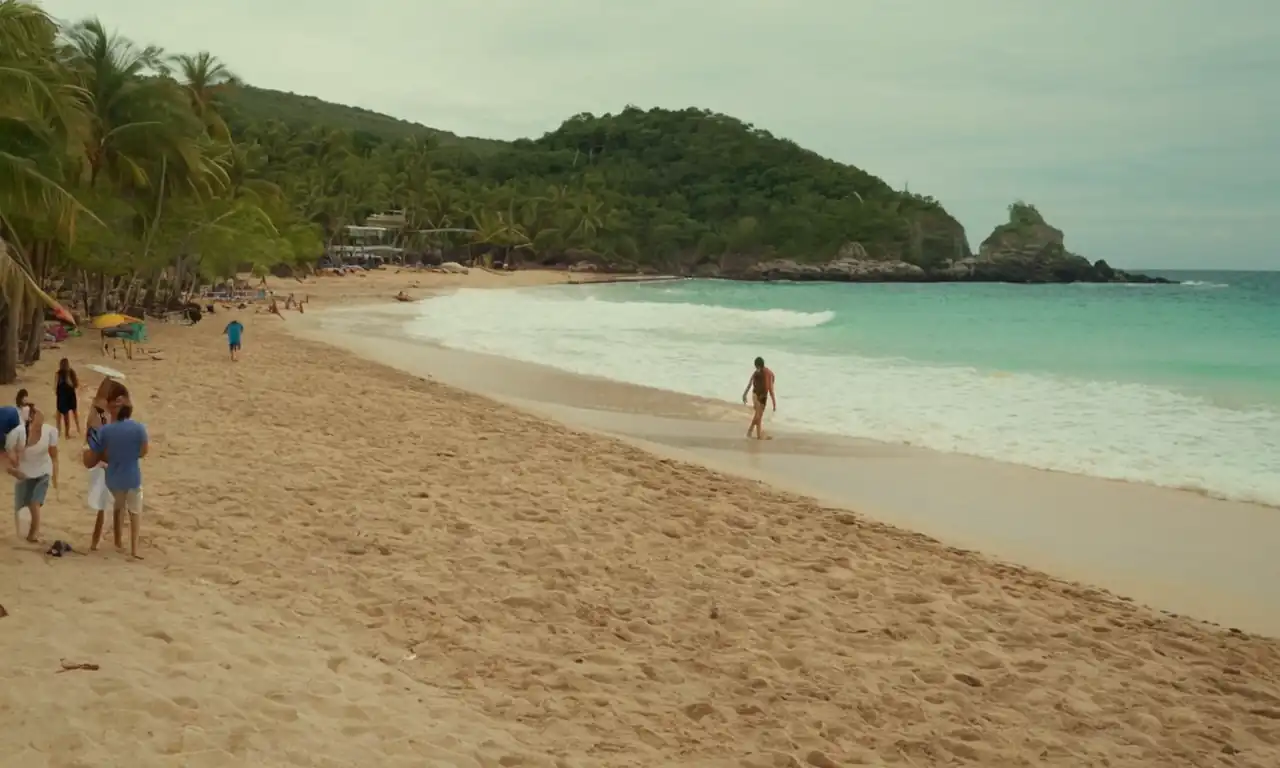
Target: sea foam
(1121,430)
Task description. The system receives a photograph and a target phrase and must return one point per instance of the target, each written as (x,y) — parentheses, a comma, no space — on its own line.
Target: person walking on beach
(36,467)
(234,332)
(66,387)
(760,387)
(110,397)
(122,444)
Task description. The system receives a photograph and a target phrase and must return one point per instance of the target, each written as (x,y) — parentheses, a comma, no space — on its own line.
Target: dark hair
(759,362)
(125,412)
(64,367)
(21,399)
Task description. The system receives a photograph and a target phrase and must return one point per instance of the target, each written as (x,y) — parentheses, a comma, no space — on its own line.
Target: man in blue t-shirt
(122,444)
(234,331)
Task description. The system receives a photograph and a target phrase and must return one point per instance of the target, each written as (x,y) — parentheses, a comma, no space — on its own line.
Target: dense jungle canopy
(129,175)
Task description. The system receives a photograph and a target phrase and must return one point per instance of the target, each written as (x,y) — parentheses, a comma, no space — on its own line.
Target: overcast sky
(1148,130)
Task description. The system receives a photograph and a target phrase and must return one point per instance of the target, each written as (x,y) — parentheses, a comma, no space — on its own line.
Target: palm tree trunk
(33,335)
(100,299)
(10,320)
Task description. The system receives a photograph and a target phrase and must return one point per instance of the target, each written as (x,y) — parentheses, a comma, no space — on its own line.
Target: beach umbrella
(111,320)
(110,373)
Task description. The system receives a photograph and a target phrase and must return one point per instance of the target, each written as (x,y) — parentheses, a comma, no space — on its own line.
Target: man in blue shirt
(234,331)
(122,444)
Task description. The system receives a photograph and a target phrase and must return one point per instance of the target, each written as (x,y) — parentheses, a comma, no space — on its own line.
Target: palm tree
(205,77)
(137,115)
(40,131)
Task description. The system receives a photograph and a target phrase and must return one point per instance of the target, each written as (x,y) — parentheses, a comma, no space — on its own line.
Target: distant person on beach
(760,387)
(34,469)
(122,444)
(66,389)
(234,332)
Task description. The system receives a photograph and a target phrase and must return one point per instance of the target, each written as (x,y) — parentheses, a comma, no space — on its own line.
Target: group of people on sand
(115,444)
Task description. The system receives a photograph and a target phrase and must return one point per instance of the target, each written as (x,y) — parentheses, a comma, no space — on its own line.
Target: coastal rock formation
(847,270)
(1027,249)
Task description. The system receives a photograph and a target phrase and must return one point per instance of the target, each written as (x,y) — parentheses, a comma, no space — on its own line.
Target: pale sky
(1148,130)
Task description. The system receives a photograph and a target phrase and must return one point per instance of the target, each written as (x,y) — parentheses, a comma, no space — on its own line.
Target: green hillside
(671,190)
(248,103)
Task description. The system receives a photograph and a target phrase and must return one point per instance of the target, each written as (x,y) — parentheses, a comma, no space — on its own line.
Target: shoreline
(1084,528)
(346,564)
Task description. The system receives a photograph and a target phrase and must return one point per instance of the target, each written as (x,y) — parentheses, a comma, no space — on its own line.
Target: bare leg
(97,531)
(33,534)
(133,536)
(117,524)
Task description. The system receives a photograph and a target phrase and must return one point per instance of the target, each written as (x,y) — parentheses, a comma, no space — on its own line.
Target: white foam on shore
(1123,431)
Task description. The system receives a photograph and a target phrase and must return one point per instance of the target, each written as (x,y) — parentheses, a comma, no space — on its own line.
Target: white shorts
(127,501)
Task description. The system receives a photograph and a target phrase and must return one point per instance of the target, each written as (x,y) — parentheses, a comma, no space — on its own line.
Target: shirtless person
(760,386)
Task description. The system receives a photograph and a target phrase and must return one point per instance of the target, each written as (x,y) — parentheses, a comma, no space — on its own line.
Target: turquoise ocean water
(1172,385)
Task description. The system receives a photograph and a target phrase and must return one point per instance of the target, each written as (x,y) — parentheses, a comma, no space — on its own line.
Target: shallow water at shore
(1177,550)
(1172,385)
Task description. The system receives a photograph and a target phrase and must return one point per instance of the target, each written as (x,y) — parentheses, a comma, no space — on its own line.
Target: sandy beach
(351,565)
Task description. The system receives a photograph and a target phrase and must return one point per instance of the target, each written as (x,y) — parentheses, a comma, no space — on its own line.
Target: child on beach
(234,331)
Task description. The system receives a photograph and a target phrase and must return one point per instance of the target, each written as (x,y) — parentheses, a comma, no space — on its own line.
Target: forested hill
(250,103)
(688,190)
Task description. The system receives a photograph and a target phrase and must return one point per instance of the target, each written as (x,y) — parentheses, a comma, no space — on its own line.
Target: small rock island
(1026,249)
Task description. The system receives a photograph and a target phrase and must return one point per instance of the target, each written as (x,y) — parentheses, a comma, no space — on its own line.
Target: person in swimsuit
(66,386)
(760,387)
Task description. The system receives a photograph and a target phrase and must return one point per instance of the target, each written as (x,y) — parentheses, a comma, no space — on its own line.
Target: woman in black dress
(66,386)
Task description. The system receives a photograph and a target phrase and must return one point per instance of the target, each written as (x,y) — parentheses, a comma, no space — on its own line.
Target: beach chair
(128,335)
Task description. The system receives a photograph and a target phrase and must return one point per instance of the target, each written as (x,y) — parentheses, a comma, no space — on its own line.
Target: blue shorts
(30,490)
(235,346)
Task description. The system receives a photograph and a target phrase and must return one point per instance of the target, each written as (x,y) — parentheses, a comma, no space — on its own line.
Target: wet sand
(1177,551)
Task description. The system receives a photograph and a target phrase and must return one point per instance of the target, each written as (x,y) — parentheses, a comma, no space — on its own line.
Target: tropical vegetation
(119,176)
(129,175)
(658,189)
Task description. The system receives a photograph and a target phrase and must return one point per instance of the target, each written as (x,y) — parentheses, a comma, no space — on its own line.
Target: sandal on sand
(59,549)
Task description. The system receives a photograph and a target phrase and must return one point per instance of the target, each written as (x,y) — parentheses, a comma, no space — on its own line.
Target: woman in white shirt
(33,448)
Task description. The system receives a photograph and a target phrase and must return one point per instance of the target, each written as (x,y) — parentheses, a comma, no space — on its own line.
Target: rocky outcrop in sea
(1026,249)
